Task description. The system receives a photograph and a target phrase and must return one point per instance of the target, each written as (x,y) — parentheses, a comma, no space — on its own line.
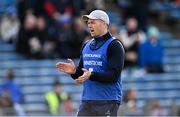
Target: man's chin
(92,35)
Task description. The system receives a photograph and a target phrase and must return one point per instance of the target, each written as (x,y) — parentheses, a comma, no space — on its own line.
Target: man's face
(57,89)
(96,27)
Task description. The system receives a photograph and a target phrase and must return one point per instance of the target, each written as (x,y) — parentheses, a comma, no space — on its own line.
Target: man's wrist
(74,71)
(91,76)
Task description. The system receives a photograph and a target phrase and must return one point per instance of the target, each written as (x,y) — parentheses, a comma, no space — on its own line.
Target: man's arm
(115,54)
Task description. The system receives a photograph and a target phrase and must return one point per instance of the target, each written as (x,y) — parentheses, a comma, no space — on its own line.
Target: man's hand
(84,77)
(68,67)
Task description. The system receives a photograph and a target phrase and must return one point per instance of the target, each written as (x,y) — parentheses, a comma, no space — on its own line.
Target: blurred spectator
(6,104)
(151,52)
(9,25)
(81,35)
(58,8)
(69,107)
(22,8)
(35,7)
(177,2)
(30,41)
(114,30)
(66,40)
(94,4)
(48,44)
(26,32)
(131,37)
(128,107)
(51,10)
(14,91)
(155,109)
(56,99)
(174,108)
(178,113)
(138,9)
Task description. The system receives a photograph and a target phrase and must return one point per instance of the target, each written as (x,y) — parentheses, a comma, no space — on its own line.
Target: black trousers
(98,108)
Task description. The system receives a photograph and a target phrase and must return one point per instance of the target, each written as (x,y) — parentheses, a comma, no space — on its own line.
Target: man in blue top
(15,92)
(99,69)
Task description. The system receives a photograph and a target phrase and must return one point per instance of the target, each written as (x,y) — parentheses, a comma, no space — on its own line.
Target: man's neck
(105,36)
(102,34)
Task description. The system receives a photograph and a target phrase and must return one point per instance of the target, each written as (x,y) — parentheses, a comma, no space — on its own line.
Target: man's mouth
(91,31)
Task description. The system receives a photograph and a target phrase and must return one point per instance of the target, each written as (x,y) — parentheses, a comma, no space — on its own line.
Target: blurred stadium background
(35,34)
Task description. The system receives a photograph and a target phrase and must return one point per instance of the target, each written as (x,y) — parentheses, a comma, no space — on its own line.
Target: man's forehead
(94,20)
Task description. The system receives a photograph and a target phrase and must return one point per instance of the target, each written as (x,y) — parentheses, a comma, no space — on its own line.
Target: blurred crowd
(12,98)
(58,101)
(51,29)
(46,28)
(152,107)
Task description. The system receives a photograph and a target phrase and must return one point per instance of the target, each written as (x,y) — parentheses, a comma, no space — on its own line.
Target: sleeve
(115,54)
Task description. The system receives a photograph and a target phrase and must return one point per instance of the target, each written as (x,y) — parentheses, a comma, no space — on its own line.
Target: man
(151,52)
(14,92)
(55,98)
(99,69)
